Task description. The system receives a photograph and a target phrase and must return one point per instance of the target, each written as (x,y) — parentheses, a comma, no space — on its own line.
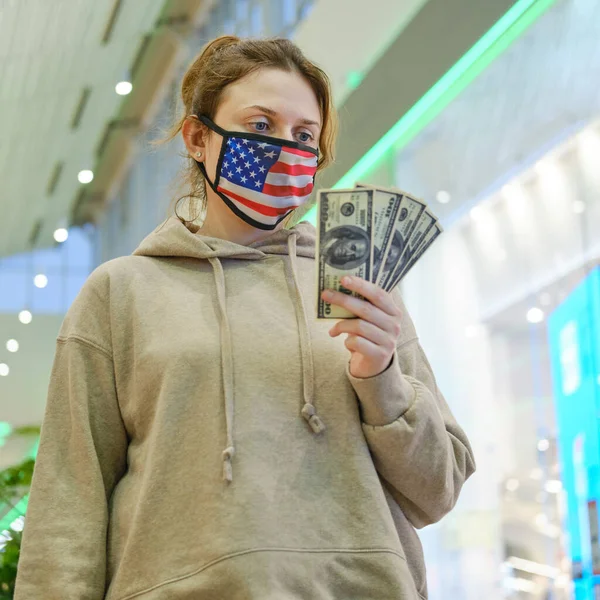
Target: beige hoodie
(183,454)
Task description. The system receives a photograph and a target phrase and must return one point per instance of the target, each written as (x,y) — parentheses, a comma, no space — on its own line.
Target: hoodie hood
(174,238)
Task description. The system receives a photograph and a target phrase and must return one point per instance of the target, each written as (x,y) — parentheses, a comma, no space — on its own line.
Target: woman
(205,436)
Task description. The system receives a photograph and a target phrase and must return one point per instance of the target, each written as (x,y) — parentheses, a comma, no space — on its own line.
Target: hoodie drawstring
(308,371)
(227,366)
(308,374)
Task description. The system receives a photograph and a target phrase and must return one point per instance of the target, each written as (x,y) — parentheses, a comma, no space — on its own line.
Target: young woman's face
(270,102)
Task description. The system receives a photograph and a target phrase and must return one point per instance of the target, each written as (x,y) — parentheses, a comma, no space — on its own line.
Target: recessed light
(535,315)
(4,370)
(40,281)
(25,317)
(12,345)
(85,176)
(543,445)
(443,197)
(123,88)
(61,235)
(553,486)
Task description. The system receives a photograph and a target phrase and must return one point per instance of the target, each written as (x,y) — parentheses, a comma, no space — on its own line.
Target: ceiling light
(553,486)
(61,235)
(85,176)
(530,566)
(521,585)
(535,315)
(543,445)
(25,317)
(40,281)
(123,88)
(443,197)
(4,370)
(12,345)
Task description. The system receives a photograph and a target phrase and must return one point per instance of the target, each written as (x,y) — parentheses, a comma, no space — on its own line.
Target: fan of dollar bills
(371,232)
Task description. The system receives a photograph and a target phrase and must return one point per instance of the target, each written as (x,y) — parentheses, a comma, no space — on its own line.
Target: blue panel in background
(574,340)
(67,266)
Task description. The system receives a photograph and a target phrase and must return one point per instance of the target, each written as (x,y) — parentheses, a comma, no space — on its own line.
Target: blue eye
(306,139)
(256,125)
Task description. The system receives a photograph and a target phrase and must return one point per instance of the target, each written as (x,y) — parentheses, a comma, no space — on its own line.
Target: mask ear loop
(216,129)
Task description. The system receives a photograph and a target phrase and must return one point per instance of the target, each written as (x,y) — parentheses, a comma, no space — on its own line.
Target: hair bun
(190,80)
(217,45)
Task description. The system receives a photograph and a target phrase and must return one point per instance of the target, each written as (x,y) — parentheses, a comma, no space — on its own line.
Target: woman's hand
(374,334)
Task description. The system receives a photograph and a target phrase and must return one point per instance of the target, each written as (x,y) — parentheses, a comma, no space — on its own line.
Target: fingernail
(346,280)
(327,295)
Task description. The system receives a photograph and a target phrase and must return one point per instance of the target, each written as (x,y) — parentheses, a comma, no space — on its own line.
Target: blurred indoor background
(489,110)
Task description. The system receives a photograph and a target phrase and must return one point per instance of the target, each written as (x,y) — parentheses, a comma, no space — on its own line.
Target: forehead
(288,93)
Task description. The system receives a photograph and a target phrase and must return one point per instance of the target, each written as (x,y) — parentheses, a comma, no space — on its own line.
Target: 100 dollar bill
(386,204)
(344,244)
(427,240)
(425,223)
(403,227)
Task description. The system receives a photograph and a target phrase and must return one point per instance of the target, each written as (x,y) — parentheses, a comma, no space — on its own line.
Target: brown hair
(227,59)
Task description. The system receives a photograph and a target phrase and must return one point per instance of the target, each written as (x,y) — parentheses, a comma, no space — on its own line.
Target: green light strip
(502,35)
(14,513)
(21,506)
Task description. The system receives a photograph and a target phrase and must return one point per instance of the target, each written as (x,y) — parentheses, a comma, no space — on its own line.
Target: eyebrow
(273,113)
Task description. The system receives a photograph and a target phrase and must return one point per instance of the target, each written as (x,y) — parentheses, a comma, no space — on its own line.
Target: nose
(286,132)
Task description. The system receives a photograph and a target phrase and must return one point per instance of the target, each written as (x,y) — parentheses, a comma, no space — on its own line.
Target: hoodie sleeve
(81,456)
(418,448)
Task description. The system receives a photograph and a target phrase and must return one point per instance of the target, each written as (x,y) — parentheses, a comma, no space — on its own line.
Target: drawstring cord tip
(315,422)
(227,468)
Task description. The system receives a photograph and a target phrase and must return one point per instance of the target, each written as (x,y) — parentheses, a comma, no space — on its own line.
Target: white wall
(525,249)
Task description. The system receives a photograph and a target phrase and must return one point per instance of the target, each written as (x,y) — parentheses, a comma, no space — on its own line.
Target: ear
(195,137)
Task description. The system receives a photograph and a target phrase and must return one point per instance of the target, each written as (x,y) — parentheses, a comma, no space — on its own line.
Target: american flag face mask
(260,178)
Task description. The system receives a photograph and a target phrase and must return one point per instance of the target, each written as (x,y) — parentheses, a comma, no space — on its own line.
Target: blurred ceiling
(59,64)
(534,97)
(355,48)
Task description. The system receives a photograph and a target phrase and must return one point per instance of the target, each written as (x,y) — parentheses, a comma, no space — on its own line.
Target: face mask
(262,179)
